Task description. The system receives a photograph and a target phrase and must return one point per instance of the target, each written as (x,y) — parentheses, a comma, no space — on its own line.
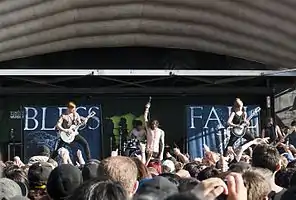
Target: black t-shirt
(277,196)
(270,132)
(292,138)
(238,119)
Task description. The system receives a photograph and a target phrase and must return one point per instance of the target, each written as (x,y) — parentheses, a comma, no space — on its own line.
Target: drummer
(138,131)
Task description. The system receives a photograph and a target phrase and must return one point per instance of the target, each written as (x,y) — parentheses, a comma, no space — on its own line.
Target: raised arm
(278,132)
(146,113)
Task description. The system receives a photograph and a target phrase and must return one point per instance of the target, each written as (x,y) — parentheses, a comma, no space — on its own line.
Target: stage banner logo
(39,129)
(208,125)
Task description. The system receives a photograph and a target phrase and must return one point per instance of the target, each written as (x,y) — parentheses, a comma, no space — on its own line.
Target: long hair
(236,105)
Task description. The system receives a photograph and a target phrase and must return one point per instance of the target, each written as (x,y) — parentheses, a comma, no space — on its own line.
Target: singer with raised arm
(66,120)
(155,137)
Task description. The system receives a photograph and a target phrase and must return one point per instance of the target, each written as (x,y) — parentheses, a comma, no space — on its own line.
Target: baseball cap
(90,170)
(157,183)
(170,164)
(38,174)
(63,180)
(9,188)
(44,151)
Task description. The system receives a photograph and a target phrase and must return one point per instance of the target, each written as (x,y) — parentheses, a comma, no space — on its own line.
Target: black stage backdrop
(170,111)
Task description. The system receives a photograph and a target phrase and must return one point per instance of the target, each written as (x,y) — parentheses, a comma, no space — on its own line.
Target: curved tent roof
(263,30)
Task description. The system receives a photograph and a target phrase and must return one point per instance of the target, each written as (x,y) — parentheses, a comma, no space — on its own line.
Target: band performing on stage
(152,138)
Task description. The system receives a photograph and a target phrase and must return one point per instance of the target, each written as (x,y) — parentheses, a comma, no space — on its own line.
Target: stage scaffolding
(132,72)
(205,81)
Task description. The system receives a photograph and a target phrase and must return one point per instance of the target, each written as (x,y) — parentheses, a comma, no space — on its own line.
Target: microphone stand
(120,141)
(12,137)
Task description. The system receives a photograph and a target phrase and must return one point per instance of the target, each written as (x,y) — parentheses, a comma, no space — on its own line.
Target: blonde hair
(71,104)
(257,186)
(120,169)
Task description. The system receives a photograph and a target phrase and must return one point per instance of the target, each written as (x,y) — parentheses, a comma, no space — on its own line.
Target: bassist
(237,117)
(71,117)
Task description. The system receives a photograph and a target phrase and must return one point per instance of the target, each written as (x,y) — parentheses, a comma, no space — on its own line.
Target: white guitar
(68,136)
(241,130)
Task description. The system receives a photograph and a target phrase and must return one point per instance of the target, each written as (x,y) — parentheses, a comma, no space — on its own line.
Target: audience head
(187,184)
(267,157)
(257,186)
(63,181)
(168,166)
(153,171)
(173,178)
(194,168)
(43,151)
(96,189)
(208,172)
(239,167)
(159,187)
(38,175)
(90,170)
(18,175)
(9,189)
(292,164)
(120,169)
(143,172)
(156,165)
(283,177)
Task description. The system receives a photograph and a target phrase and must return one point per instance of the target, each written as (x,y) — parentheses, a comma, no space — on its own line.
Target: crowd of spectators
(256,170)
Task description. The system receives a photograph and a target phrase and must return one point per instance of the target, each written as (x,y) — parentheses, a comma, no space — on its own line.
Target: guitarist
(237,116)
(71,117)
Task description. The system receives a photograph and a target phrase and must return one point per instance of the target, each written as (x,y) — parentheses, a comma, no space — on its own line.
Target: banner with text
(39,129)
(208,125)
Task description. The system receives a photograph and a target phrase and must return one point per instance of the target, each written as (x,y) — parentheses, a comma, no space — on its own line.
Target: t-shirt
(292,138)
(277,196)
(270,132)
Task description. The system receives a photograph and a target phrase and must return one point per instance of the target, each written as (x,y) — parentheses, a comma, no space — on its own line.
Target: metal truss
(132,72)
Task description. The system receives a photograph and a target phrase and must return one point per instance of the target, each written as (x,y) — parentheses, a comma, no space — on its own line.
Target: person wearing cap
(71,117)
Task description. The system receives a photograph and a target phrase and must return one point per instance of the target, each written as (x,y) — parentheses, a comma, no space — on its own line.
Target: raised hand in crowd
(236,187)
(261,140)
(182,157)
(17,161)
(65,156)
(210,189)
(114,153)
(80,157)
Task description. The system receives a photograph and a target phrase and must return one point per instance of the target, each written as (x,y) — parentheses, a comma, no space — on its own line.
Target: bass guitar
(68,136)
(240,130)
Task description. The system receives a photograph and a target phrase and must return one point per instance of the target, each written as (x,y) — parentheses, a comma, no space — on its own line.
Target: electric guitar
(240,131)
(68,136)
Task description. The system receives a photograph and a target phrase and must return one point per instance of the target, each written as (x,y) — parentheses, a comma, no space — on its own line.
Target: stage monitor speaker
(14,149)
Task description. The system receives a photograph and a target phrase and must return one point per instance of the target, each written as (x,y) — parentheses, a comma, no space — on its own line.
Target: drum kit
(131,147)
